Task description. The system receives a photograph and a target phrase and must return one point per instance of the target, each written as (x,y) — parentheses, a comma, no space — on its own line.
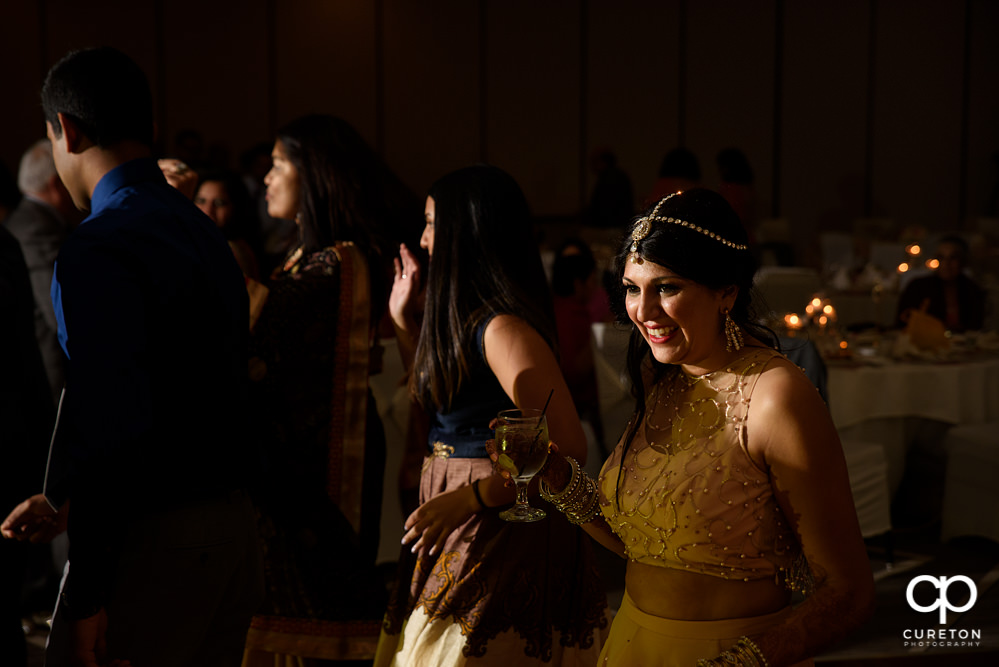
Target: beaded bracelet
(589,506)
(578,500)
(546,491)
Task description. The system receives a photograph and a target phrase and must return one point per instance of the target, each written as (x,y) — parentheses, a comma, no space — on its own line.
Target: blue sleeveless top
(462,431)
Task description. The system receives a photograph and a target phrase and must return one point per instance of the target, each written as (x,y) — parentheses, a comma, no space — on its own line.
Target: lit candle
(792,321)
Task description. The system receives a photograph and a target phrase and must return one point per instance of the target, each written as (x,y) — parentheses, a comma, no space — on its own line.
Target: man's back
(153,317)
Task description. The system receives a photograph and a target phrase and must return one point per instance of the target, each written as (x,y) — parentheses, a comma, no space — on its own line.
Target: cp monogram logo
(943,602)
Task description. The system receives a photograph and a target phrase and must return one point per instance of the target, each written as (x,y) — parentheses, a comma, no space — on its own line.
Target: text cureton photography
(941,636)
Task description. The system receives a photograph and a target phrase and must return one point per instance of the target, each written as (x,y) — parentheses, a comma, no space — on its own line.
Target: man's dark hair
(104,92)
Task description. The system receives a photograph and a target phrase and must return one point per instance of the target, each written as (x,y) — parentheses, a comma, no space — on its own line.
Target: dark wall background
(847,109)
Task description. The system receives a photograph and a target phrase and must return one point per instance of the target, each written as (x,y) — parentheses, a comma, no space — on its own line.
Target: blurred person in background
(948,295)
(41,223)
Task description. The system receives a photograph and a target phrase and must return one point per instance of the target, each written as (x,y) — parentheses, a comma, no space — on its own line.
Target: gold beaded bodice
(691,497)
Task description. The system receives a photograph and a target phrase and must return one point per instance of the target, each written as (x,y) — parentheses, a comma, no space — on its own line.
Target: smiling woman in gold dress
(728,491)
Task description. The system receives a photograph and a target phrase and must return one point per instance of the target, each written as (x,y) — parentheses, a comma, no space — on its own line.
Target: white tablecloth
(900,404)
(954,393)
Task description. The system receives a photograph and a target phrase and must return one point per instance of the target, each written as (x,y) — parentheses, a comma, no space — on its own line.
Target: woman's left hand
(406,295)
(430,525)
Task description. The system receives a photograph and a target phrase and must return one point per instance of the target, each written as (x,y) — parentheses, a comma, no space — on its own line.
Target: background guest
(311,353)
(472,585)
(611,204)
(949,294)
(576,287)
(222,196)
(41,223)
(736,186)
(164,561)
(680,170)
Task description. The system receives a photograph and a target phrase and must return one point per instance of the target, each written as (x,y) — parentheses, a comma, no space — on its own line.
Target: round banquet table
(906,404)
(965,392)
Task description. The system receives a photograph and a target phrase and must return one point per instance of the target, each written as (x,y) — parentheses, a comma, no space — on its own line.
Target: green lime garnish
(507,464)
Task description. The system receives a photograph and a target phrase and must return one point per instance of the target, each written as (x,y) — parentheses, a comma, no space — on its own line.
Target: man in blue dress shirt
(153,317)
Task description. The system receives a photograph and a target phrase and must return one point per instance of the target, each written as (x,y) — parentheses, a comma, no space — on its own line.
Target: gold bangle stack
(744,653)
(579,500)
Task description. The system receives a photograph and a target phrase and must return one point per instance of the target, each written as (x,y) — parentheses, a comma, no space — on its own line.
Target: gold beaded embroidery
(691,497)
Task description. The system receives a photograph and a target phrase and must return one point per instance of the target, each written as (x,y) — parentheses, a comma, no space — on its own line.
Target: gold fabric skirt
(637,638)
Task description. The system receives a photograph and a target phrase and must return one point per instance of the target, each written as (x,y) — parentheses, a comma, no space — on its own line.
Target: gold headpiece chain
(644,225)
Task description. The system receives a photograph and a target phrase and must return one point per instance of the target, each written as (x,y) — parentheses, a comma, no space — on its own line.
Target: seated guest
(949,294)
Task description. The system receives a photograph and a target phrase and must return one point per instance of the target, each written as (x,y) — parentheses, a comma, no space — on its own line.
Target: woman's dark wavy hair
(485,262)
(347,193)
(694,256)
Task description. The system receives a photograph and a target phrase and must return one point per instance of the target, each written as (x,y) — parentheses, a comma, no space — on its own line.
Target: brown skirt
(498,592)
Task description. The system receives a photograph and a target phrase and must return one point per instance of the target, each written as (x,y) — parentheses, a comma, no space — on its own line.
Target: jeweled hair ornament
(644,226)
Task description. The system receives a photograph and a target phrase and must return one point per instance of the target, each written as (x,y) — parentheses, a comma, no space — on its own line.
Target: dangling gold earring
(733,334)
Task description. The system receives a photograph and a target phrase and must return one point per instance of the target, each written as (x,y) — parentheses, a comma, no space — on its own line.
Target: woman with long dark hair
(222,196)
(478,589)
(319,502)
(728,490)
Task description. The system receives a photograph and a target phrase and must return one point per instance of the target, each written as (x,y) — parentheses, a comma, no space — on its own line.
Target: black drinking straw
(543,411)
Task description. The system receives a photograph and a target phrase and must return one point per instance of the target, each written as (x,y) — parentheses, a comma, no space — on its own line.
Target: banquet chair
(867,465)
(866,462)
(971,494)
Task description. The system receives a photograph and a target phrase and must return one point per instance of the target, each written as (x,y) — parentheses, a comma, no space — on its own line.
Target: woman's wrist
(404,323)
(557,472)
(493,492)
(478,495)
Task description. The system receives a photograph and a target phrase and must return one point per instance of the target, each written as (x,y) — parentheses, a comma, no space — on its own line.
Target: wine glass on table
(522,449)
